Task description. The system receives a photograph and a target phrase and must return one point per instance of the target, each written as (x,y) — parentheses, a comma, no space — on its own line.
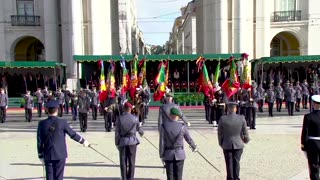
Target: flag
(204,81)
(125,77)
(134,76)
(160,81)
(217,74)
(231,85)
(110,83)
(246,82)
(103,88)
(161,75)
(167,74)
(143,71)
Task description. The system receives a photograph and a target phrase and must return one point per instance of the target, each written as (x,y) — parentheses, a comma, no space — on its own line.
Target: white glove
(86,143)
(6,107)
(251,99)
(188,124)
(213,101)
(41,160)
(305,154)
(195,150)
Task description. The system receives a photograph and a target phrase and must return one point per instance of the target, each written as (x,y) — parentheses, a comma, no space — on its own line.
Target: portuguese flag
(134,76)
(231,85)
(204,81)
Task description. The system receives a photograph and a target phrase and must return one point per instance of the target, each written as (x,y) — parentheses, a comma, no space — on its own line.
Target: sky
(156,18)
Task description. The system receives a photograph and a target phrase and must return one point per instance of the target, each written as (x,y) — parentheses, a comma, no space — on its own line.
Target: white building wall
(313,27)
(101,27)
(50,30)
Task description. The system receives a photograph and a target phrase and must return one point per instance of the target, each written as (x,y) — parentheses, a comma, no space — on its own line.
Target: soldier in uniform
(164,111)
(207,107)
(146,99)
(67,98)
(305,94)
(51,142)
(74,105)
(40,100)
(95,102)
(285,88)
(3,105)
(260,102)
(219,106)
(118,110)
(108,106)
(28,107)
(61,98)
(45,93)
(290,94)
(310,138)
(298,90)
(232,134)
(83,108)
(270,99)
(279,96)
(253,106)
(127,141)
(244,104)
(171,148)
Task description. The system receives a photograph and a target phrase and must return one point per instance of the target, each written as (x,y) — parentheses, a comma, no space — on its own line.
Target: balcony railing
(280,16)
(20,20)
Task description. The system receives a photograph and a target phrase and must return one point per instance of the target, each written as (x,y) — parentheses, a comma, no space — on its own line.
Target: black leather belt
(173,148)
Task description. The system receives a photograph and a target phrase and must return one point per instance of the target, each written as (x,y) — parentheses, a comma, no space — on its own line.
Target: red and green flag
(206,86)
(217,74)
(231,85)
(103,88)
(143,71)
(160,81)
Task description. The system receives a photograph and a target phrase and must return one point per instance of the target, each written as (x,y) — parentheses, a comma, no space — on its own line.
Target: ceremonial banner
(125,77)
(160,81)
(134,76)
(103,88)
(231,85)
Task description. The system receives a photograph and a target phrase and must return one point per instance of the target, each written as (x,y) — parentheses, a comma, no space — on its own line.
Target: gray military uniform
(232,131)
(171,146)
(126,140)
(232,134)
(40,97)
(3,100)
(164,113)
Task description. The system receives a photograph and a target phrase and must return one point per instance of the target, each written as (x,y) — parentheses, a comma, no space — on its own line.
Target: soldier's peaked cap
(316,99)
(53,104)
(175,111)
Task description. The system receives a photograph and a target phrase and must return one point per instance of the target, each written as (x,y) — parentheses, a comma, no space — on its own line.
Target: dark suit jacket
(232,131)
(55,147)
(311,127)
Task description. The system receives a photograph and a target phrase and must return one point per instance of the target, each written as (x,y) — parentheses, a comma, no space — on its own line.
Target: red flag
(230,89)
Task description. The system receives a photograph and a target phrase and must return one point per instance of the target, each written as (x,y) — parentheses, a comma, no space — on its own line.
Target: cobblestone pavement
(273,153)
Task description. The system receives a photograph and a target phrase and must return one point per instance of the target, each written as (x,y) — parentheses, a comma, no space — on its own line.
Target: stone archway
(29,49)
(284,44)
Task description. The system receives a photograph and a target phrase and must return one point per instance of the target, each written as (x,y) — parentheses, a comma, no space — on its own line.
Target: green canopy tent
(12,65)
(154,58)
(286,59)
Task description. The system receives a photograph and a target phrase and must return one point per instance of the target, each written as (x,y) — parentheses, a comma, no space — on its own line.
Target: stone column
(50,30)
(101,27)
(2,34)
(239,19)
(222,40)
(262,35)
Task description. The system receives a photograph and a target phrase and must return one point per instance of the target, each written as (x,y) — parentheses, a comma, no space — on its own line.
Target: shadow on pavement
(87,164)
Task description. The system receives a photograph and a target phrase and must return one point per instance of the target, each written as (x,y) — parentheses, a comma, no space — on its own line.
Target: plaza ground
(273,152)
